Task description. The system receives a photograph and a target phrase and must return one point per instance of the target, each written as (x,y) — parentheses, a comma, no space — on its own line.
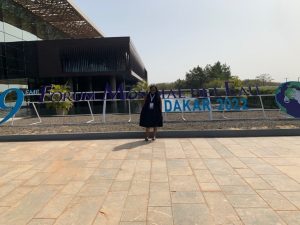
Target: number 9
(17,106)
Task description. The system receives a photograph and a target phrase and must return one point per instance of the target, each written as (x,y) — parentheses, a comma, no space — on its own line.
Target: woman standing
(151,115)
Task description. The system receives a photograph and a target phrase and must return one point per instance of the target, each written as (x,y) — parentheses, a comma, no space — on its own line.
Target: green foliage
(261,80)
(141,86)
(218,71)
(236,81)
(60,106)
(166,86)
(214,83)
(264,79)
(268,90)
(180,84)
(210,76)
(195,78)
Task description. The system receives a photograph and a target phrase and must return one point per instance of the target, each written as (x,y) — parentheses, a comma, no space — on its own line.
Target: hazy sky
(173,36)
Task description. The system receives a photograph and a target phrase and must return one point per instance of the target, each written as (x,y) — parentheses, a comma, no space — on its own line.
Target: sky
(173,36)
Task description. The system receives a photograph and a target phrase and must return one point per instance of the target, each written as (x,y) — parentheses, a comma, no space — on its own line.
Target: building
(51,42)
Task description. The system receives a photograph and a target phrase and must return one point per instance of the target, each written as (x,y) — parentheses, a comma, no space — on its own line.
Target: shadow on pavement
(131,145)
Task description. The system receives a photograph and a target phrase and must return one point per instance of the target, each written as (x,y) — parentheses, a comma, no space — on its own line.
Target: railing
(212,114)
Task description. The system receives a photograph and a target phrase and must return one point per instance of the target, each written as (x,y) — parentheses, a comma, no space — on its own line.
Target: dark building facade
(46,42)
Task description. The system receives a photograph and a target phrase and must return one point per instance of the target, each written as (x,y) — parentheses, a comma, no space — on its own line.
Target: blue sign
(203,104)
(17,106)
(288,98)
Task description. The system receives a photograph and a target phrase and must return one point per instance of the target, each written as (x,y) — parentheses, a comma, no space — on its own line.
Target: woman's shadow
(131,145)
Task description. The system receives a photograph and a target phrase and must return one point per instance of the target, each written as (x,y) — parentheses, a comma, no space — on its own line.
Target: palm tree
(141,86)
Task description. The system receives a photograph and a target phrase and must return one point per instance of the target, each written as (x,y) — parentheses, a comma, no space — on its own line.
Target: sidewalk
(251,181)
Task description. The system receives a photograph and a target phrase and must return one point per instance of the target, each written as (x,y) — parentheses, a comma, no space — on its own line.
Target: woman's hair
(153,86)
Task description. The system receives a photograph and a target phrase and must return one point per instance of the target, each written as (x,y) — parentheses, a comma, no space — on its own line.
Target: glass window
(14,31)
(1,36)
(9,38)
(29,37)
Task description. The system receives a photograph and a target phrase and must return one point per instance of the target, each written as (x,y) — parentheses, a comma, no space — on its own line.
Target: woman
(151,115)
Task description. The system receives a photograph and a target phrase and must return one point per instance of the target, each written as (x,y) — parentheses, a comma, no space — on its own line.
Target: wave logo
(288,98)
(12,110)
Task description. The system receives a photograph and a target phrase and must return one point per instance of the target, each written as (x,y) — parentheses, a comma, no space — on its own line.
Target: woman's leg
(154,133)
(147,133)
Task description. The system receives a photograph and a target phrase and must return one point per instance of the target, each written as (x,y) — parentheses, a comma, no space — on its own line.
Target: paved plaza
(221,181)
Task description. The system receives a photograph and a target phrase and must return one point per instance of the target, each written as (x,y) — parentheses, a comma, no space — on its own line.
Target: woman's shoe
(153,139)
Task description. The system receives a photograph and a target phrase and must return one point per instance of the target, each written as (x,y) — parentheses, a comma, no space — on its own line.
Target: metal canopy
(63,15)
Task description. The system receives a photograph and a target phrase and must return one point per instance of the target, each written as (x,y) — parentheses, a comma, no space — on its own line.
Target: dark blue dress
(151,117)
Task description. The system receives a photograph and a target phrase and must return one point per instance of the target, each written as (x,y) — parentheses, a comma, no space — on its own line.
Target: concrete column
(113,84)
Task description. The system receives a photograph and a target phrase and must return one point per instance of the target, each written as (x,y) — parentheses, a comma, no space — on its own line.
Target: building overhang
(63,15)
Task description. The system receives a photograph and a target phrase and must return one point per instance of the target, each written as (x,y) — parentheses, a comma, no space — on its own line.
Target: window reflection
(17,25)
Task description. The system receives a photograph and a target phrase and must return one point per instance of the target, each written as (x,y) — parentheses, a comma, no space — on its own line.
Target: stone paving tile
(290,217)
(236,163)
(192,214)
(106,173)
(246,173)
(204,176)
(237,181)
(243,201)
(72,187)
(291,171)
(23,212)
(159,177)
(159,216)
(258,183)
(229,180)
(111,211)
(259,216)
(282,182)
(219,167)
(82,213)
(197,164)
(135,208)
(263,169)
(132,223)
(209,187)
(120,186)
(14,196)
(293,197)
(179,167)
(159,194)
(55,206)
(3,209)
(183,183)
(276,200)
(221,209)
(187,197)
(41,222)
(238,190)
(139,187)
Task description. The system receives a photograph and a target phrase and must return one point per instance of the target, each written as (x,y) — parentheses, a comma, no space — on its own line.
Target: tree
(180,84)
(195,78)
(141,86)
(236,81)
(165,86)
(211,74)
(218,71)
(264,79)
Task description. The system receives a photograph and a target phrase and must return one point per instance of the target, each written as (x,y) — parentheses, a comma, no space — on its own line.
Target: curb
(161,134)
